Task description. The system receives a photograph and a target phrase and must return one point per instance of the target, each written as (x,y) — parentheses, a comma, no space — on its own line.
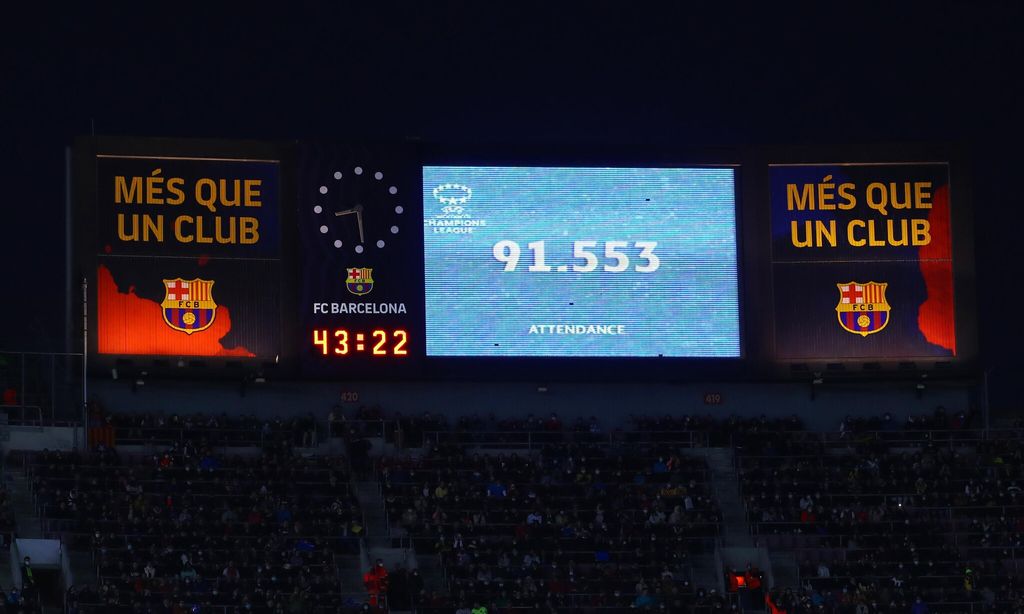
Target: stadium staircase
(6,577)
(725,482)
(23,506)
(380,542)
(29,525)
(738,547)
(350,572)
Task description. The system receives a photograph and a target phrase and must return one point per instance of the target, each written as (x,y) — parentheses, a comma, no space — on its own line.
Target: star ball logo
(453,219)
(453,196)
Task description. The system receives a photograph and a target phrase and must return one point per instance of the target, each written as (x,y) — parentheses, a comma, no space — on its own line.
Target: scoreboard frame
(758,359)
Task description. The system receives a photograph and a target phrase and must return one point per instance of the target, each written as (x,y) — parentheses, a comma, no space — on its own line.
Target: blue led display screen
(540,261)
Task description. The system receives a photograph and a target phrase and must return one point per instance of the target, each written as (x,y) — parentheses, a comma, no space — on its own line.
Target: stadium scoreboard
(580,262)
(390,261)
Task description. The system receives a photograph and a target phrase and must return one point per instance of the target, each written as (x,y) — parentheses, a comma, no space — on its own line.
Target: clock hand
(358,210)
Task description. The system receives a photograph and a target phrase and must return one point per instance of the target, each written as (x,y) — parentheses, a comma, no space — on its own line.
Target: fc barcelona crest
(862,308)
(359,281)
(188,304)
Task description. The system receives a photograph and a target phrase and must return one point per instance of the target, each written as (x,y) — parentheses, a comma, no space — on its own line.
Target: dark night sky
(630,72)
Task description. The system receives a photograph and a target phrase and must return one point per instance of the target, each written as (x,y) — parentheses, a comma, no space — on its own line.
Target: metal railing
(845,554)
(378,428)
(348,601)
(536,440)
(255,436)
(894,437)
(24,415)
(51,382)
(908,436)
(902,499)
(588,602)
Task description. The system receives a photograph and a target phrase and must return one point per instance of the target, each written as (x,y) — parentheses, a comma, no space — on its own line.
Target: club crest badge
(359,281)
(188,304)
(862,309)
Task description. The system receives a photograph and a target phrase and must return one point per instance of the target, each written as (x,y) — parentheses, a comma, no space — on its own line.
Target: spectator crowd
(193,512)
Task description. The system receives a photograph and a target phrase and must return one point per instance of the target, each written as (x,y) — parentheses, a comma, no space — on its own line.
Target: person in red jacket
(753,577)
(376,582)
(733,580)
(772,607)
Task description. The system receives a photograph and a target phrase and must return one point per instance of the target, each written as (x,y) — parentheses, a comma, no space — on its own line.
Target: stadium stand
(573,525)
(197,514)
(931,512)
(190,526)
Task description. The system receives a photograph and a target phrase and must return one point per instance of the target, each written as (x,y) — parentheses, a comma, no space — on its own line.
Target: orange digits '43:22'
(378,342)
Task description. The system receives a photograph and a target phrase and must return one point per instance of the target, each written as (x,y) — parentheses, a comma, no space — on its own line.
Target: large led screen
(187,256)
(617,262)
(862,261)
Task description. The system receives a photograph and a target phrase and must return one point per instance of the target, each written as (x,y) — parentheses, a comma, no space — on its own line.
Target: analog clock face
(358,210)
(360,219)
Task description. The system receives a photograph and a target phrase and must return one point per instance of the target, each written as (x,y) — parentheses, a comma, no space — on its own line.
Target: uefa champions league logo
(453,196)
(454,218)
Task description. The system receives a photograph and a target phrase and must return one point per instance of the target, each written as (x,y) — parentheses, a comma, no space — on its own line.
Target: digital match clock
(361,244)
(376,342)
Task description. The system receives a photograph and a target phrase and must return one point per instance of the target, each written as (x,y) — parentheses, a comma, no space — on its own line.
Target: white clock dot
(359,249)
(359,170)
(337,243)
(394,230)
(323,229)
(380,243)
(399,209)
(337,174)
(318,209)
(378,175)
(323,189)
(392,190)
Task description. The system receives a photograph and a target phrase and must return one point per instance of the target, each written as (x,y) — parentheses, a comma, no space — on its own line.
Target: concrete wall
(43,438)
(611,403)
(45,553)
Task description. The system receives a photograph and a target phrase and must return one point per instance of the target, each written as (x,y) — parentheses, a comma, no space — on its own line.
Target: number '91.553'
(588,256)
